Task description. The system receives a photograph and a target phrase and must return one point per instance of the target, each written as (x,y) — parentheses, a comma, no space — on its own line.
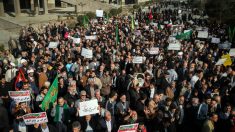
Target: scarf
(65,107)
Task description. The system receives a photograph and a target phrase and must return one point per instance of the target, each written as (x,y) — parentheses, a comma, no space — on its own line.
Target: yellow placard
(228,61)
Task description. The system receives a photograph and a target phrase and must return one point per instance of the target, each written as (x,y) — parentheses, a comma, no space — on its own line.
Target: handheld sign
(33,118)
(99,13)
(202,34)
(20,96)
(76,40)
(88,107)
(91,37)
(232,52)
(53,45)
(175,46)
(215,40)
(128,128)
(138,59)
(154,51)
(87,53)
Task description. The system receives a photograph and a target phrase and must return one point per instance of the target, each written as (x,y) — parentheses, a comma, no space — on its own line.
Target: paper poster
(87,53)
(215,40)
(232,52)
(33,118)
(88,107)
(173,46)
(99,13)
(138,59)
(228,61)
(53,45)
(154,51)
(91,37)
(76,40)
(202,34)
(128,128)
(220,62)
(225,45)
(20,96)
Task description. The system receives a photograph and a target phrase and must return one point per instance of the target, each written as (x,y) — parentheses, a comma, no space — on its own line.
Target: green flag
(85,21)
(231,33)
(185,35)
(132,23)
(159,26)
(117,34)
(51,95)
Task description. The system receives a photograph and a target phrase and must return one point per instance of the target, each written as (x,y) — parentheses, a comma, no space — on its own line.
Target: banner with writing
(91,37)
(20,96)
(202,34)
(88,107)
(154,51)
(138,59)
(128,128)
(53,45)
(215,40)
(33,118)
(174,46)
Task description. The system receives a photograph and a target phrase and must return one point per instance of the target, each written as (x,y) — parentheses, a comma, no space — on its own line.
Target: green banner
(132,23)
(117,34)
(185,35)
(51,95)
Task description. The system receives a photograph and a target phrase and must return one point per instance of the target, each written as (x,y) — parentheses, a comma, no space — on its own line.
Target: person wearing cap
(11,72)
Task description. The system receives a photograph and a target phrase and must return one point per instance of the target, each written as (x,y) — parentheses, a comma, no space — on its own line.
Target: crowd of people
(181,90)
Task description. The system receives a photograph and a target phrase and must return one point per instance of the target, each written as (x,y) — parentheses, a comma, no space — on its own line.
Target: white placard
(91,37)
(137,60)
(99,13)
(232,52)
(154,51)
(33,118)
(215,40)
(202,34)
(76,40)
(174,46)
(225,45)
(87,53)
(220,61)
(88,107)
(53,45)
(20,96)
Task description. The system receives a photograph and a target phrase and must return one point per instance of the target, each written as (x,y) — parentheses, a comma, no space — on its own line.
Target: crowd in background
(182,90)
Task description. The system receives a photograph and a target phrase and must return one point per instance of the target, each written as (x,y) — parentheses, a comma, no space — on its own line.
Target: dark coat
(51,129)
(102,127)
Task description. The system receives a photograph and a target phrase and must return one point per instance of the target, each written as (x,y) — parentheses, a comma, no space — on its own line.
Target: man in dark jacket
(44,127)
(4,122)
(107,124)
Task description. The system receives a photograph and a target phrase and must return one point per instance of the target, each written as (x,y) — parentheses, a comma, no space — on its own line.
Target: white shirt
(109,127)
(152,92)
(45,130)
